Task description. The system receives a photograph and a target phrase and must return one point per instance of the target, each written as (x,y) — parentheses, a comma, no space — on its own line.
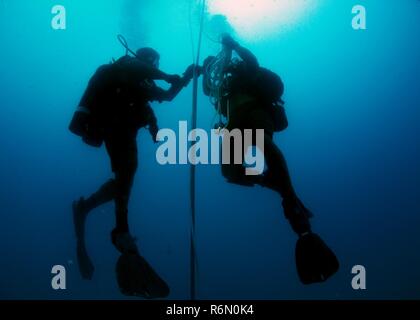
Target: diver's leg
(315,261)
(124,181)
(124,178)
(277,178)
(235,173)
(120,235)
(82,207)
(105,194)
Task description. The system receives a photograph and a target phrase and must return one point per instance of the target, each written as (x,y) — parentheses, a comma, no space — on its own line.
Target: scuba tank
(270,87)
(86,121)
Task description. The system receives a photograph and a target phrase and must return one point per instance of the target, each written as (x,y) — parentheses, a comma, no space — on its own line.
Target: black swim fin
(86,267)
(315,261)
(84,262)
(137,278)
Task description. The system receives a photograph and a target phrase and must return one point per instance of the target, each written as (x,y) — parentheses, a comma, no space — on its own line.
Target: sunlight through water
(261,18)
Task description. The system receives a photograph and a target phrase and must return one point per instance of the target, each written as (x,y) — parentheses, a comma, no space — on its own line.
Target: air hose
(124,43)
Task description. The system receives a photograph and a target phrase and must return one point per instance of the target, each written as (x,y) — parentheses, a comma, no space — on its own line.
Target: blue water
(353,102)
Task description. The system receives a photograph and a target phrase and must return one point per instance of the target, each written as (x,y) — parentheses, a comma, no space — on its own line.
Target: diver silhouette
(249,96)
(113,108)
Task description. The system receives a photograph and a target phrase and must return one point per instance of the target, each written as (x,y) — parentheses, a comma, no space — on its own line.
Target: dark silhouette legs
(277,178)
(122,150)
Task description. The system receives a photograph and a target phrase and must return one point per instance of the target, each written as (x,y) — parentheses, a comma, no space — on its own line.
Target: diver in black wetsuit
(252,100)
(117,101)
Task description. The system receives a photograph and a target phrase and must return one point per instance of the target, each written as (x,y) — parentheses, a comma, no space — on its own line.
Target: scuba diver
(249,97)
(113,108)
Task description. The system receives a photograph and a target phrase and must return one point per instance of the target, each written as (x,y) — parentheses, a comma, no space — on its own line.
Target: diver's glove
(229,43)
(189,73)
(152,125)
(153,130)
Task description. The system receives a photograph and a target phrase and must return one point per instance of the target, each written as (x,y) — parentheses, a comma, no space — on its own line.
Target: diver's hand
(153,130)
(189,73)
(173,79)
(229,43)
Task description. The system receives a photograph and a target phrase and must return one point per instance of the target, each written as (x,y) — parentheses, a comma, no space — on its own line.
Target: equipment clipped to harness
(270,88)
(214,77)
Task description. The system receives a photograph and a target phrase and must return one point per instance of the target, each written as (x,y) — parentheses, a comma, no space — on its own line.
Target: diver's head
(149,56)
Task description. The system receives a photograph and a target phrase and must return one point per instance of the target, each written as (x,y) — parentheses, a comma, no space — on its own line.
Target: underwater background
(353,101)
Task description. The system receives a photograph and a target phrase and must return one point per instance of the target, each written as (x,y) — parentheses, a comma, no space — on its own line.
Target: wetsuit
(119,96)
(246,108)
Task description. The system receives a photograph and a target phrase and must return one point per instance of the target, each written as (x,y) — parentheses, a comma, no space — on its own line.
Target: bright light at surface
(257,18)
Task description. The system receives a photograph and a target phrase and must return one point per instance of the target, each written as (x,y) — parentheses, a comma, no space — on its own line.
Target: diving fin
(137,278)
(315,261)
(84,262)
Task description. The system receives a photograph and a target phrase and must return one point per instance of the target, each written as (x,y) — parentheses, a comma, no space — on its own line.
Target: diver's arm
(156,74)
(150,72)
(170,94)
(166,95)
(177,85)
(248,57)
